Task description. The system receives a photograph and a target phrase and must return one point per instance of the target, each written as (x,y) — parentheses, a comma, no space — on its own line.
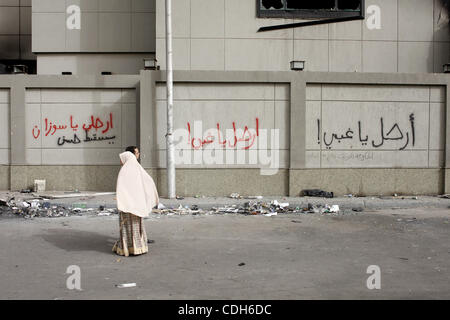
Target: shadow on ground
(79,240)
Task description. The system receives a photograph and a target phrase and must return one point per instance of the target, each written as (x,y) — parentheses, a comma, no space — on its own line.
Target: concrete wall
(413,109)
(222,35)
(79,126)
(344,124)
(222,112)
(15,30)
(125,28)
(309,109)
(42,134)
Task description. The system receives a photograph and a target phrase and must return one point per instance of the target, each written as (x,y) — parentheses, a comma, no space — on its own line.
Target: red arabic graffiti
(247,136)
(95,123)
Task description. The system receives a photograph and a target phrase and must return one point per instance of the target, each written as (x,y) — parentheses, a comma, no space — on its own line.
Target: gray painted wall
(15,30)
(288,101)
(222,35)
(114,36)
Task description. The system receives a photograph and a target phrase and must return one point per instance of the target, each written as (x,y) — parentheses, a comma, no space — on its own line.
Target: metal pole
(169,137)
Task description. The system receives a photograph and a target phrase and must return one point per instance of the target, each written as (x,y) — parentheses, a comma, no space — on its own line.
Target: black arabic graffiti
(62,140)
(394,134)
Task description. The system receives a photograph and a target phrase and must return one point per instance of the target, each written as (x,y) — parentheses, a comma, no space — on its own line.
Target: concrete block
(441,55)
(129,96)
(129,125)
(25,20)
(4,126)
(314,52)
(282,122)
(181,13)
(4,176)
(9,47)
(350,30)
(48,6)
(85,5)
(181,53)
(49,32)
(436,159)
(33,126)
(282,91)
(9,20)
(313,92)
(389,21)
(417,57)
(313,128)
(143,32)
(223,182)
(415,20)
(223,91)
(105,96)
(207,54)
(345,56)
(258,54)
(143,5)
(376,93)
(312,159)
(319,32)
(115,5)
(437,126)
(379,56)
(33,157)
(33,96)
(81,156)
(87,38)
(114,32)
(437,94)
(25,47)
(210,25)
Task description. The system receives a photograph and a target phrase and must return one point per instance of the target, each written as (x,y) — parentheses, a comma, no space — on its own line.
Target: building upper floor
(90,36)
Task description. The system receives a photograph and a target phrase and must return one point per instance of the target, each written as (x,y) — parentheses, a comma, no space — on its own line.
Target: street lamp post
(170,162)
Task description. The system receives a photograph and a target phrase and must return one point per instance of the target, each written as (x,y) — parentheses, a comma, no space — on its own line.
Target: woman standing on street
(136,196)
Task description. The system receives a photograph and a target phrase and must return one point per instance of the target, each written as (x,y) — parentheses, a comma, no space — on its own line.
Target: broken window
(309,8)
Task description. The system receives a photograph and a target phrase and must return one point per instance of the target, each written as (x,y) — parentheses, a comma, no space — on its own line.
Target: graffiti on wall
(73,132)
(386,134)
(243,138)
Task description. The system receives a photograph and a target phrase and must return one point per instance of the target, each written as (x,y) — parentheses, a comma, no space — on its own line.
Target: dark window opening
(311,5)
(309,8)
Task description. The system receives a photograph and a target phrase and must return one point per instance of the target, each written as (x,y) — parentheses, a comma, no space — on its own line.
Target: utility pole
(169,83)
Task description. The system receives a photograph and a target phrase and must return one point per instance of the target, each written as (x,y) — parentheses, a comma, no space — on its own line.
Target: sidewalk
(96,200)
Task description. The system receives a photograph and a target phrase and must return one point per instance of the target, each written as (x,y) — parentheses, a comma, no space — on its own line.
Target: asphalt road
(200,257)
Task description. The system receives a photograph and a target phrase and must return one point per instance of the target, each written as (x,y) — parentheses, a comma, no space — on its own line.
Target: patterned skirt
(133,238)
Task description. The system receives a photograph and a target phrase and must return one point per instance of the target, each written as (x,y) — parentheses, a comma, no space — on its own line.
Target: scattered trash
(254,197)
(241,264)
(126,285)
(180,198)
(348,195)
(296,221)
(358,209)
(25,191)
(235,196)
(317,193)
(271,214)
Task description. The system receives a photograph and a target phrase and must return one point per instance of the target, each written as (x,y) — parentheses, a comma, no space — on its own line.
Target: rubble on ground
(35,206)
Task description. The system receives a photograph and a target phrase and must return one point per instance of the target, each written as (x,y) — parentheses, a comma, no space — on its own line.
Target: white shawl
(136,190)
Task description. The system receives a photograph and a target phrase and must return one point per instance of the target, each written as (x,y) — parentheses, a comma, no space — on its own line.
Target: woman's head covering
(136,190)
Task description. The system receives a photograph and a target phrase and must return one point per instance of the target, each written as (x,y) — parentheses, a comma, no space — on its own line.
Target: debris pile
(29,208)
